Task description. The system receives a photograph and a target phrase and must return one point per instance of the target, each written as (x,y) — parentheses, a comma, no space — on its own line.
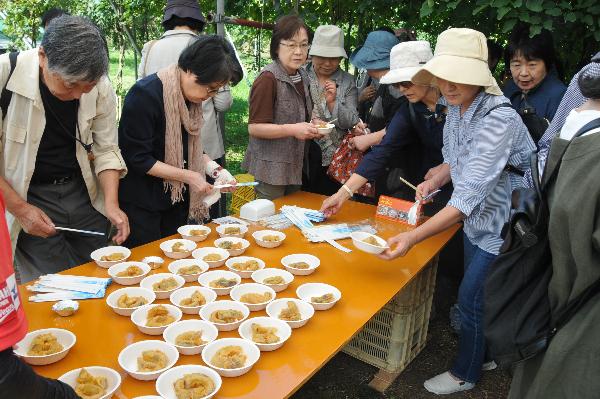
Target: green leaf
(502,12)
(588,20)
(570,17)
(555,12)
(477,10)
(534,30)
(535,5)
(548,24)
(509,24)
(517,3)
(426,10)
(535,20)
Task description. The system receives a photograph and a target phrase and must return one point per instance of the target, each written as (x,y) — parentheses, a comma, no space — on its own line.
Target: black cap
(183,9)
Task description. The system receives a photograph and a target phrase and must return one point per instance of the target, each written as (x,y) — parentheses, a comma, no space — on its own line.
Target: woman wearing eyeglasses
(160,138)
(280,113)
(418,124)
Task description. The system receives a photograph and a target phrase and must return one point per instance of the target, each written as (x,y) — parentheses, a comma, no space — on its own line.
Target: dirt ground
(347,378)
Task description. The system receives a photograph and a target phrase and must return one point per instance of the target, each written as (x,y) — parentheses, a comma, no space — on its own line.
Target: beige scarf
(177,114)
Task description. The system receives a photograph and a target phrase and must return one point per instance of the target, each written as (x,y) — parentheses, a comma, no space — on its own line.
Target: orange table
(366,282)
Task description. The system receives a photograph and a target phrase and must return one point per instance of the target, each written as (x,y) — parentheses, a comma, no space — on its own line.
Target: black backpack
(7,94)
(518,322)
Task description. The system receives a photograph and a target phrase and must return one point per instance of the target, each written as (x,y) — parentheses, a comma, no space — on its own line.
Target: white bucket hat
(406,59)
(328,42)
(460,57)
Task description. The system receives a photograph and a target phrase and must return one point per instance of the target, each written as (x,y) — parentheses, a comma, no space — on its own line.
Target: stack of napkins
(335,231)
(58,287)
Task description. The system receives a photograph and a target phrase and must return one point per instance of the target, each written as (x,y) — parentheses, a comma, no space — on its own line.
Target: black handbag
(518,321)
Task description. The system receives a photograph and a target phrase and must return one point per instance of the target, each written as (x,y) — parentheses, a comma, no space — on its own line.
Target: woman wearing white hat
(335,98)
(485,143)
(417,124)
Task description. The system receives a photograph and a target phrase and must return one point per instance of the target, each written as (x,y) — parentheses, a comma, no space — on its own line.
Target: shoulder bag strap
(152,43)
(7,94)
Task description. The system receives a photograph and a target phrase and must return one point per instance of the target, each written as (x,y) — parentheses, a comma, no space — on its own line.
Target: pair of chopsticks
(425,198)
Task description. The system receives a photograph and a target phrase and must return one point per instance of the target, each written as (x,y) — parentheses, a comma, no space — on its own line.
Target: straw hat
(375,53)
(406,59)
(460,57)
(328,42)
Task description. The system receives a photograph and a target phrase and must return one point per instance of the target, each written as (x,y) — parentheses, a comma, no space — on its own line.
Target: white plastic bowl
(306,310)
(178,264)
(238,291)
(200,253)
(164,383)
(205,279)
(284,331)
(64,337)
(258,237)
(233,252)
(119,267)
(259,277)
(139,318)
(100,252)
(326,130)
(184,231)
(178,295)
(209,334)
(155,262)
(313,263)
(250,349)
(114,296)
(209,308)
(148,281)
(148,397)
(113,378)
(309,290)
(129,355)
(221,230)
(241,259)
(357,238)
(167,248)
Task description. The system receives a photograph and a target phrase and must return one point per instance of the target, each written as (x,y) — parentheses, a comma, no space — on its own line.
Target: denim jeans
(471,344)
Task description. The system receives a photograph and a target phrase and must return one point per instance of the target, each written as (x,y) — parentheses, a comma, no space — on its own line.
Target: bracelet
(348,190)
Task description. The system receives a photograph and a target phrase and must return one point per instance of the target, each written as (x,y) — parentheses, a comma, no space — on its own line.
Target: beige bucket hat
(406,59)
(460,57)
(328,42)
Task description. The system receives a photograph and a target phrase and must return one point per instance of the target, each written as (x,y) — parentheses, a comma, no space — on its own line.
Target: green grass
(236,119)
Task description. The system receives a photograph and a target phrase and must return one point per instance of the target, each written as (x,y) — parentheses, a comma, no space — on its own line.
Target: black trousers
(19,381)
(151,225)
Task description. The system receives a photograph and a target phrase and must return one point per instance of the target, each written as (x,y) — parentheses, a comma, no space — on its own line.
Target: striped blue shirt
(478,147)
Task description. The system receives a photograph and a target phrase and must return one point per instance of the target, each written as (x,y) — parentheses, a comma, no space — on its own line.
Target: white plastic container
(114,296)
(209,334)
(164,383)
(64,337)
(129,355)
(310,290)
(305,309)
(257,209)
(284,331)
(250,349)
(113,378)
(140,317)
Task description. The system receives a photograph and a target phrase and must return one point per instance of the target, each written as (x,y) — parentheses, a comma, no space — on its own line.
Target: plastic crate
(242,195)
(398,332)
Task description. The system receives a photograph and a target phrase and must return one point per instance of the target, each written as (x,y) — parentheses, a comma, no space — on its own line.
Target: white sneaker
(444,384)
(489,366)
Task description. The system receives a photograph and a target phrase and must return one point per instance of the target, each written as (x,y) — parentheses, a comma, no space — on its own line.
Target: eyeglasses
(293,46)
(212,92)
(404,85)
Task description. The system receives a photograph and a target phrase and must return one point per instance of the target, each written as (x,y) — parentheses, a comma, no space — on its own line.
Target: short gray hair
(76,49)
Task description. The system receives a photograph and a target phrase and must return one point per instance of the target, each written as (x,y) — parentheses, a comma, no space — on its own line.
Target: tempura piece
(131,271)
(254,298)
(274,280)
(198,232)
(126,301)
(291,313)
(190,338)
(166,284)
(44,345)
(152,360)
(247,266)
(90,387)
(212,258)
(230,245)
(159,316)
(115,256)
(326,298)
(271,238)
(372,240)
(229,357)
(226,316)
(193,386)
(232,230)
(264,335)
(197,299)
(222,283)
(179,247)
(193,269)
(299,265)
